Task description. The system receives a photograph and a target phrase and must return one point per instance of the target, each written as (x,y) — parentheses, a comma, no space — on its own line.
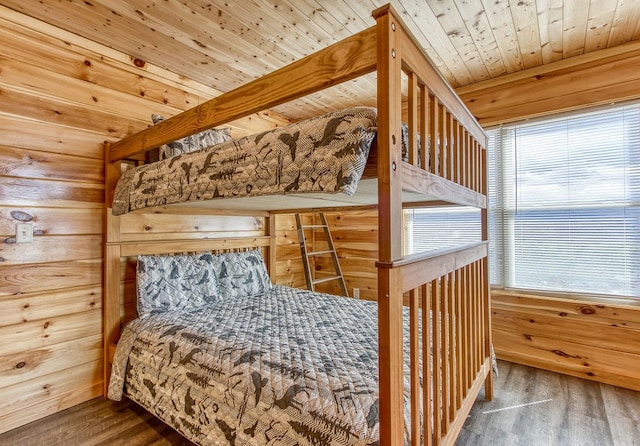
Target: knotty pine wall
(60,97)
(596,340)
(355,236)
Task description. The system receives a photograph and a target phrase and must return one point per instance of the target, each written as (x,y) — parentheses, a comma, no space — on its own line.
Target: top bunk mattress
(327,154)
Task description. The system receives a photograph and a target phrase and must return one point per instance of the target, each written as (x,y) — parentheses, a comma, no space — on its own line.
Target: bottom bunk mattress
(287,367)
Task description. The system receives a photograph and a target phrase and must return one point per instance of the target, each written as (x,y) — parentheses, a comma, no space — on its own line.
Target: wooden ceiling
(225,43)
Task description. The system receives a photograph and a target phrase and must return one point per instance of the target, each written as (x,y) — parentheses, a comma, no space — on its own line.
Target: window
(565,203)
(429,229)
(564,196)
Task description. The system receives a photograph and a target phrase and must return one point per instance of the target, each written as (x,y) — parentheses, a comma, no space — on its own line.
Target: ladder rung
(313,226)
(319,253)
(326,279)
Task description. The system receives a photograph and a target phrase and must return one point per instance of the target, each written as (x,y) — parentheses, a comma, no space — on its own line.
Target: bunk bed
(433,331)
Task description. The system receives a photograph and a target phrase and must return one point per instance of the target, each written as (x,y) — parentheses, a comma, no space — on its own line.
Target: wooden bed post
(111,279)
(271,232)
(390,334)
(488,340)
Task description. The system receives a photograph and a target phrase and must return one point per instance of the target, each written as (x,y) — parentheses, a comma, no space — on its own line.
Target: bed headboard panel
(159,232)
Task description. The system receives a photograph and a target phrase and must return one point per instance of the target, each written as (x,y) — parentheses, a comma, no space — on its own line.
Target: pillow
(190,143)
(241,274)
(405,144)
(175,282)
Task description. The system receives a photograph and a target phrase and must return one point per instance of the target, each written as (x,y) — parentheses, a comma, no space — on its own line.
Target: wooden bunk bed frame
(451,286)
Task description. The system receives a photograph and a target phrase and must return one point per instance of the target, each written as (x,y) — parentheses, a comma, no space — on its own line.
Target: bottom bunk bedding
(285,367)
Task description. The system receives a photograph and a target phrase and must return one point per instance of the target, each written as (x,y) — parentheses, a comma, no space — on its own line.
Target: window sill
(608,300)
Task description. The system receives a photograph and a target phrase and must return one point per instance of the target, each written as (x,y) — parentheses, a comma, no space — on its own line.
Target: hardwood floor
(532,407)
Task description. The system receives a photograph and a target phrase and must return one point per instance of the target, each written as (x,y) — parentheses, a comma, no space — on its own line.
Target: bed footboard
(448,297)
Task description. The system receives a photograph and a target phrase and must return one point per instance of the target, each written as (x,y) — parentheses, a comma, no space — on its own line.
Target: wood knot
(565,355)
(562,314)
(46,325)
(20,365)
(87,63)
(139,63)
(587,310)
(21,216)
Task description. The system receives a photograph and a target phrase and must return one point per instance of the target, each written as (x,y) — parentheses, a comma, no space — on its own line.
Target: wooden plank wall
(60,97)
(588,339)
(355,235)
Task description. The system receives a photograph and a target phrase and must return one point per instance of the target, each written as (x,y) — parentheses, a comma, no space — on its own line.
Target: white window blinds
(565,203)
(428,229)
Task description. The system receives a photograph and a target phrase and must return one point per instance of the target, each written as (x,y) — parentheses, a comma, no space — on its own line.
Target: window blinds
(428,229)
(565,203)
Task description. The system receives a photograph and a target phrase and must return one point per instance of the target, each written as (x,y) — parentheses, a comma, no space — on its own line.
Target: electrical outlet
(24,232)
(356,293)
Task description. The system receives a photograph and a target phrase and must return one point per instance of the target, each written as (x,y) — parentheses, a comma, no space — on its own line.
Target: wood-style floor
(532,407)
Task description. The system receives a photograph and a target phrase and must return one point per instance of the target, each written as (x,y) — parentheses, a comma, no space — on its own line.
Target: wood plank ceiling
(225,43)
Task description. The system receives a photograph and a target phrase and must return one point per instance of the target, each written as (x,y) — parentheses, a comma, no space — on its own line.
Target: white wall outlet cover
(24,232)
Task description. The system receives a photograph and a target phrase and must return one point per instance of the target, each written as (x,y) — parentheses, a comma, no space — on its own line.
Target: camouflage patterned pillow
(206,138)
(175,282)
(241,274)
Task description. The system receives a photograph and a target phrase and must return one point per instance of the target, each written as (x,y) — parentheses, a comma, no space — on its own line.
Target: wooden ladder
(306,255)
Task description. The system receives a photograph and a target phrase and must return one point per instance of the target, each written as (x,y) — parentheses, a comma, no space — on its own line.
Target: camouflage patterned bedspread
(323,154)
(289,367)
